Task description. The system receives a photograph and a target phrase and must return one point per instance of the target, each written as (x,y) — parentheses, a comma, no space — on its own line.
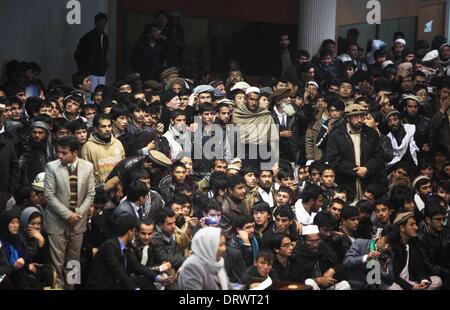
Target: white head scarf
(205,245)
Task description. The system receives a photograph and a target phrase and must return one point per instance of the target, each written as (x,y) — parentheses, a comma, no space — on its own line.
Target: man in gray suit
(134,203)
(69,188)
(358,262)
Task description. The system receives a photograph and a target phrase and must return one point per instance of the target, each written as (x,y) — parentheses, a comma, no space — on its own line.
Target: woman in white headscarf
(204,269)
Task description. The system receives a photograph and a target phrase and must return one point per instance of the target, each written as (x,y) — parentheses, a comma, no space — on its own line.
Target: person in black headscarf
(12,244)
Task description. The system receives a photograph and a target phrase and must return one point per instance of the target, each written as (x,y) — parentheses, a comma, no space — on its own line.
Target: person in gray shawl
(204,269)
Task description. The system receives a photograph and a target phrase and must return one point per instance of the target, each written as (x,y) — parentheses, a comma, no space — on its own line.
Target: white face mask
(288,109)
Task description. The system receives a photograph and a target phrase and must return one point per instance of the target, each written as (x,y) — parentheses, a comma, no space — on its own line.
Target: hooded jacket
(103,155)
(13,244)
(33,253)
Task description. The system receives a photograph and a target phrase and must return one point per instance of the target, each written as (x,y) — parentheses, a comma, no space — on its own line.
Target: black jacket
(416,266)
(436,252)
(283,273)
(274,64)
(148,61)
(15,132)
(9,167)
(126,167)
(246,251)
(293,149)
(108,270)
(168,187)
(271,231)
(5,267)
(309,265)
(424,129)
(341,245)
(33,160)
(139,250)
(90,56)
(166,249)
(341,155)
(235,267)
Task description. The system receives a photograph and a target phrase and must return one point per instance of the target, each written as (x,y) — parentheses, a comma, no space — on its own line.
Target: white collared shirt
(282,117)
(136,209)
(73,165)
(303,217)
(2,130)
(267,197)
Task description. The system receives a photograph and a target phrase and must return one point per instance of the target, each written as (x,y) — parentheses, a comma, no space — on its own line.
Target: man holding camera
(359,259)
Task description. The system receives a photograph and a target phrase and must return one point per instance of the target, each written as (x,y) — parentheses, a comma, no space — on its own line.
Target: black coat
(293,149)
(424,129)
(108,270)
(90,56)
(274,65)
(5,267)
(9,167)
(235,266)
(148,61)
(283,273)
(33,160)
(167,250)
(139,250)
(126,167)
(341,245)
(436,252)
(341,155)
(270,232)
(15,132)
(416,267)
(246,251)
(308,265)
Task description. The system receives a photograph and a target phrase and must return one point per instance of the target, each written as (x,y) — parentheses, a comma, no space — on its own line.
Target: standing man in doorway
(92,50)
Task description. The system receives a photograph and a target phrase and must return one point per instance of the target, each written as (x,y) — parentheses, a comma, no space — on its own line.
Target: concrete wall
(354,11)
(32,30)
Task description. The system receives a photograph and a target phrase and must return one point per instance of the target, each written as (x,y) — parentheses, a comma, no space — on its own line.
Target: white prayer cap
(401,41)
(309,162)
(386,64)
(431,56)
(252,90)
(310,230)
(312,83)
